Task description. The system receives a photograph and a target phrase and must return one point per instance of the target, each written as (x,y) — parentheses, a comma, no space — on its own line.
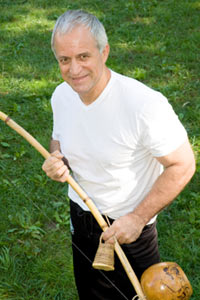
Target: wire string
(122,294)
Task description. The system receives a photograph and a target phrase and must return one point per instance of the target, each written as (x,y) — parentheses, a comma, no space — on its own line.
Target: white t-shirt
(112,143)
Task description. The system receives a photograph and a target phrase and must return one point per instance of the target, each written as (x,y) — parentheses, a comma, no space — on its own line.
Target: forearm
(168,185)
(179,168)
(54,145)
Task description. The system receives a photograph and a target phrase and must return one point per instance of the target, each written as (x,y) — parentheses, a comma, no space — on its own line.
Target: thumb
(109,235)
(57,154)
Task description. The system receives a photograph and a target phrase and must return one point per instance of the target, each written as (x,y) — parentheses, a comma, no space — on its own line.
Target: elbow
(191,169)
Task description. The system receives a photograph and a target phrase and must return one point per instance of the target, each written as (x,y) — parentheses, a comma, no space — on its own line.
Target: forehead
(78,39)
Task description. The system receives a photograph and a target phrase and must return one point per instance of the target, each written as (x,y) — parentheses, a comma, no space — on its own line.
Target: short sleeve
(162,130)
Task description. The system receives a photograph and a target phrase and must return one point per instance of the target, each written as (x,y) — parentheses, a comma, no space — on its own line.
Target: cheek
(63,70)
(93,67)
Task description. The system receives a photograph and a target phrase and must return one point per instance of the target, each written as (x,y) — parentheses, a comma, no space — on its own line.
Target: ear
(105,53)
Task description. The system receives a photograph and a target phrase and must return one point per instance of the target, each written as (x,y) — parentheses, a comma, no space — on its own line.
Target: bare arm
(179,169)
(56,166)
(54,146)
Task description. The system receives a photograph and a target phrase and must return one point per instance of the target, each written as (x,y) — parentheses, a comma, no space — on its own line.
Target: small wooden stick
(122,257)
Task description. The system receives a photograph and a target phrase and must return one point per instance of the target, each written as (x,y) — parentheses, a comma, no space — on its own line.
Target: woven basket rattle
(104,258)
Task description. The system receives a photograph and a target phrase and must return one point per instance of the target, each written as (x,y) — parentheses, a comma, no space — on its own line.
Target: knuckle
(62,180)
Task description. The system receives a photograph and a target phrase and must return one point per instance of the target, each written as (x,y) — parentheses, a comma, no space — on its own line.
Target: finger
(121,241)
(49,162)
(111,240)
(108,234)
(57,154)
(54,166)
(53,163)
(58,173)
(65,176)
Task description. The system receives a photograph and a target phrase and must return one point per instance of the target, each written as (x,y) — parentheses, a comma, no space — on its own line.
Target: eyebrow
(62,56)
(84,53)
(80,54)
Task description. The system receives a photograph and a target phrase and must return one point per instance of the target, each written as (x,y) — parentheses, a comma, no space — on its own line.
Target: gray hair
(72,18)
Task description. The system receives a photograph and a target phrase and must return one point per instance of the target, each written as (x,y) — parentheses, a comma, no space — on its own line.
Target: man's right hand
(55,168)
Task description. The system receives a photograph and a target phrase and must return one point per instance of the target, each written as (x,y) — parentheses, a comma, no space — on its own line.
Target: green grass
(156,42)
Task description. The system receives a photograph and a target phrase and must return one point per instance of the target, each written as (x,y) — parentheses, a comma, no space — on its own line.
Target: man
(126,148)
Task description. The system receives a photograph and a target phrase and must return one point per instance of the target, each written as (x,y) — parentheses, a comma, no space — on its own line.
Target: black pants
(107,285)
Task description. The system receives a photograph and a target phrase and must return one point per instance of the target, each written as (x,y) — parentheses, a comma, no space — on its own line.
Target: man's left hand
(126,229)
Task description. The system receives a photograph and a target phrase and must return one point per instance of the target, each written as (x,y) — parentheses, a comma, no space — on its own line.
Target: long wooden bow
(122,257)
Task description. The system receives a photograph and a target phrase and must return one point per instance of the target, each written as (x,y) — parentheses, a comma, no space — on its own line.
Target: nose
(75,68)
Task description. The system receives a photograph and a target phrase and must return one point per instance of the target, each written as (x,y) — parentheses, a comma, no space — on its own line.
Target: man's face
(81,64)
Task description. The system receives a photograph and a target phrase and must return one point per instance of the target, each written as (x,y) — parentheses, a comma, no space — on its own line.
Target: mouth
(79,79)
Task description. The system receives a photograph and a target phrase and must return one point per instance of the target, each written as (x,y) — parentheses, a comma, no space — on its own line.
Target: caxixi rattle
(162,281)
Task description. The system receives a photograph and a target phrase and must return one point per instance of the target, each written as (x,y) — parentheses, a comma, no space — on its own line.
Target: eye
(63,60)
(84,57)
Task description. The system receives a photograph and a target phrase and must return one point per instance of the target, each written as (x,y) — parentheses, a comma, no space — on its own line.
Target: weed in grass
(25,227)
(6,260)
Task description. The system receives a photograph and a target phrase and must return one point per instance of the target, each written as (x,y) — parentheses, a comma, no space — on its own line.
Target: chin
(81,90)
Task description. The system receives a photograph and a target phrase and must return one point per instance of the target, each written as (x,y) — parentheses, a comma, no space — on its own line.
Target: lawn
(156,42)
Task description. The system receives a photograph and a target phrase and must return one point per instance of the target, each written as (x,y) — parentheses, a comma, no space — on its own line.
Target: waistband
(88,216)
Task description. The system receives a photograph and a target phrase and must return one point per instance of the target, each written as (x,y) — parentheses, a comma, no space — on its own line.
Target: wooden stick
(102,223)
